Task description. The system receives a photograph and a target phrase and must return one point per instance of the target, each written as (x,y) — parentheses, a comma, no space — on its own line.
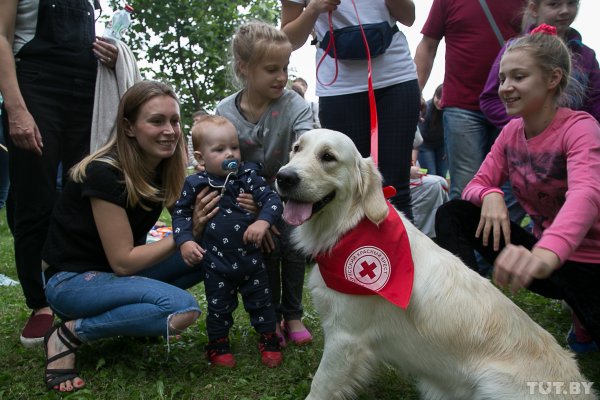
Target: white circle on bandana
(368,266)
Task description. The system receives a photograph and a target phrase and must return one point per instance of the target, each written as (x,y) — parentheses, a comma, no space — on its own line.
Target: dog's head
(327,178)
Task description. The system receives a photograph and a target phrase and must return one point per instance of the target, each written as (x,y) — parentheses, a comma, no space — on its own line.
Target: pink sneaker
(299,338)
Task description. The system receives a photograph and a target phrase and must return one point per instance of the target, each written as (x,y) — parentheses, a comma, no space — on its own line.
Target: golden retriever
(459,337)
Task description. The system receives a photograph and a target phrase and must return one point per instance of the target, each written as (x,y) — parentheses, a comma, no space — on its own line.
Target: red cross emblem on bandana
(371,260)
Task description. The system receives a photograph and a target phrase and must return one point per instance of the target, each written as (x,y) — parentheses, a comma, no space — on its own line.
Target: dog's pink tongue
(295,212)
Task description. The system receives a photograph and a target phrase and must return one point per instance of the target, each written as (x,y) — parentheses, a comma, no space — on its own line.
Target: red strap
(372,103)
(331,43)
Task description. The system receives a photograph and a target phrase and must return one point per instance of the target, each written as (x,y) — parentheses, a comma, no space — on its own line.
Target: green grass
(128,368)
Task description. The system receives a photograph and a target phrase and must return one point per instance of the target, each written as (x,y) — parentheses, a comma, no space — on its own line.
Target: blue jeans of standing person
(433,159)
(469,137)
(105,305)
(398,109)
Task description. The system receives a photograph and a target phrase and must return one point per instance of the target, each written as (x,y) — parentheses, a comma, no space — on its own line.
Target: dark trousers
(62,108)
(574,282)
(286,268)
(397,113)
(222,300)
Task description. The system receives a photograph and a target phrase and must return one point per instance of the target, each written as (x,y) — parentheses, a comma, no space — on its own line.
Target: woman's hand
(494,218)
(246,201)
(24,132)
(205,208)
(298,22)
(322,6)
(106,52)
(515,267)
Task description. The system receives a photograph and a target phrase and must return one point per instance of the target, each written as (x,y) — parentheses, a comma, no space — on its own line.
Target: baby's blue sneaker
(580,347)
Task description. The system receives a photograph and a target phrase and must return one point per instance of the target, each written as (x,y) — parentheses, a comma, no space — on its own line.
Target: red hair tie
(545,29)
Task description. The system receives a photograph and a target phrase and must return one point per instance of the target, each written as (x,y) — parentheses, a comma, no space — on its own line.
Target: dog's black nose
(287,179)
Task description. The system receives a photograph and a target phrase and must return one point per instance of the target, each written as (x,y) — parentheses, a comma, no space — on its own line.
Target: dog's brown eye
(295,148)
(327,157)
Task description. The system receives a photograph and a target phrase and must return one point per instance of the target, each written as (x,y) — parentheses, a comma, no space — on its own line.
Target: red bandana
(370,260)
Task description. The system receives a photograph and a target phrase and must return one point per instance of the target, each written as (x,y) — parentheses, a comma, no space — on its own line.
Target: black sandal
(54,377)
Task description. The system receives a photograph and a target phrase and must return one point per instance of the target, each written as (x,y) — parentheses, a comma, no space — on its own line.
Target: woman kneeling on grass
(102,279)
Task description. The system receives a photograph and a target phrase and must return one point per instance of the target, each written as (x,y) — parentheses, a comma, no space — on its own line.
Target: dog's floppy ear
(371,192)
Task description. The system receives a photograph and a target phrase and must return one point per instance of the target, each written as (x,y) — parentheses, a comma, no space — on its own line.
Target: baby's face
(219,143)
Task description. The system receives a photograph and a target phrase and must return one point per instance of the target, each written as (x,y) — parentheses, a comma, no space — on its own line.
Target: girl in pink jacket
(551,155)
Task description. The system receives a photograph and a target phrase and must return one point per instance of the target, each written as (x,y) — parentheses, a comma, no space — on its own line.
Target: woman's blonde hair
(251,42)
(124,153)
(551,52)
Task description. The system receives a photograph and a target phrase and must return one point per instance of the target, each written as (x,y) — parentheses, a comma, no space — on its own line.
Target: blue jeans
(433,159)
(106,305)
(469,137)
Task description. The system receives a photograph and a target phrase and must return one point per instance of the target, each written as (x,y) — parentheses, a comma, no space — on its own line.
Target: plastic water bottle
(119,23)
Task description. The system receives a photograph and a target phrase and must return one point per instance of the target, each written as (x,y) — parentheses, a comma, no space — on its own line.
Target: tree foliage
(186,43)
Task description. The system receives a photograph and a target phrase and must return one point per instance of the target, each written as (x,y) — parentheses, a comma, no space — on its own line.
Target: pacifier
(230,165)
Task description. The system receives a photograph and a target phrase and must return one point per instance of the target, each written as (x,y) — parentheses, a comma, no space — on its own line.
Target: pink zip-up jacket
(556,178)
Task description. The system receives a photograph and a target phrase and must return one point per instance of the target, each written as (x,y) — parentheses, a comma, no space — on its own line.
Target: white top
(394,66)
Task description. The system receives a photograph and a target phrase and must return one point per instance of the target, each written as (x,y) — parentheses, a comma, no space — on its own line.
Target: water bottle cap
(128,8)
(230,165)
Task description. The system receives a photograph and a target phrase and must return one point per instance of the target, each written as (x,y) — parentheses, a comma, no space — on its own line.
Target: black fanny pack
(349,45)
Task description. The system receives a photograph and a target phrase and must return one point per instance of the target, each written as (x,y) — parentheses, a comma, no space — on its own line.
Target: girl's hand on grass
(205,208)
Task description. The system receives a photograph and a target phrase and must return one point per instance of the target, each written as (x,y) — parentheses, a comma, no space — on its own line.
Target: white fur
(460,337)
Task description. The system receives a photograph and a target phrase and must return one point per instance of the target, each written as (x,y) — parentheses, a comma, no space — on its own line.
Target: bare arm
(402,10)
(298,22)
(117,240)
(424,56)
(22,128)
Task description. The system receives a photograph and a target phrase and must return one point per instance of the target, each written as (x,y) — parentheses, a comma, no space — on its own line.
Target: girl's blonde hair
(124,153)
(251,42)
(550,52)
